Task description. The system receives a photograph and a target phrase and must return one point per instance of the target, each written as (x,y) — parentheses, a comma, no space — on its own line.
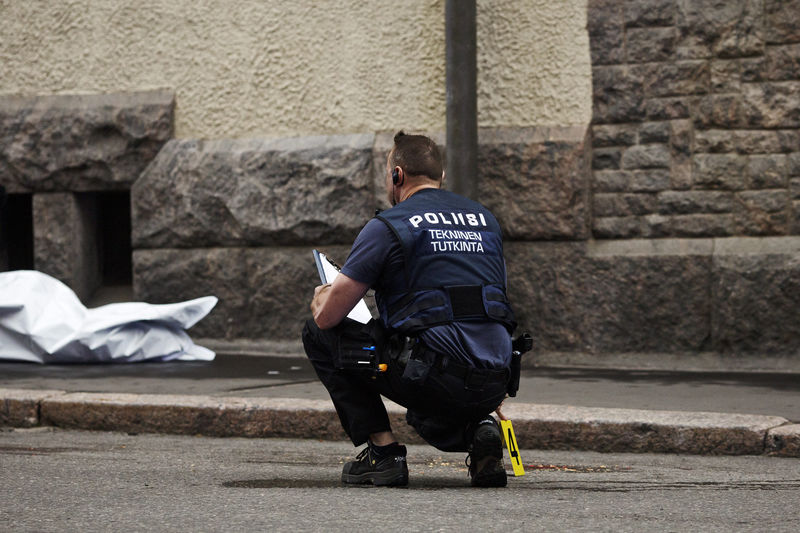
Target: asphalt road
(54,480)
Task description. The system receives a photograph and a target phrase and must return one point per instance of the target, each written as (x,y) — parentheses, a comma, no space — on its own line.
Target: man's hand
(316,302)
(333,301)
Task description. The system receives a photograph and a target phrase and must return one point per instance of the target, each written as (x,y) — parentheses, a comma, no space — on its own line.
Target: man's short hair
(417,155)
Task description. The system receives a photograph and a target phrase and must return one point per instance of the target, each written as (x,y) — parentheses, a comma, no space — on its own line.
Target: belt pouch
(418,366)
(416,371)
(359,346)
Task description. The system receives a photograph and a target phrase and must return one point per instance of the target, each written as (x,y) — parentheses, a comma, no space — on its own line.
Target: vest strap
(435,300)
(495,297)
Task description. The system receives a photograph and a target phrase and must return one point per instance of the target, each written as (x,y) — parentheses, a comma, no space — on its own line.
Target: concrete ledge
(20,407)
(701,246)
(632,430)
(649,361)
(536,426)
(253,347)
(190,415)
(702,361)
(784,441)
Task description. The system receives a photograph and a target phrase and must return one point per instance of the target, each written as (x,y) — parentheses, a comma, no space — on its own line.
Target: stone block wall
(65,226)
(659,298)
(238,218)
(536,181)
(696,118)
(72,143)
(598,300)
(64,150)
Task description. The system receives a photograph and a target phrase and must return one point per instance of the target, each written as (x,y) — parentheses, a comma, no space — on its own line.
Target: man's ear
(398,176)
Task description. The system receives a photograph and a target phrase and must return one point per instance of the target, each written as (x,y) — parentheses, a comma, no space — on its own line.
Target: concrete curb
(536,426)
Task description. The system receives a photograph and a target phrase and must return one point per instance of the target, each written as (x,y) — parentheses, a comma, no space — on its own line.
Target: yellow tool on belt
(513,450)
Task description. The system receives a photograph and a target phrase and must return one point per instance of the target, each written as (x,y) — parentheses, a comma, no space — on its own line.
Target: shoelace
(468,463)
(362,454)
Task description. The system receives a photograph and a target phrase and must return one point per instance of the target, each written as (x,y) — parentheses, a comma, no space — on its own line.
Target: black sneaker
(485,459)
(385,470)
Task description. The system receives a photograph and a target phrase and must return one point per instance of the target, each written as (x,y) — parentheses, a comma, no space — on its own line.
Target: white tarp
(43,321)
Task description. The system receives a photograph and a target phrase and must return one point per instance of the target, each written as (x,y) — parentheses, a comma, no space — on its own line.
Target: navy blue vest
(454,268)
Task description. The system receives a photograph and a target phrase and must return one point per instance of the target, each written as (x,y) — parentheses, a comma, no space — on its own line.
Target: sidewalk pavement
(265,396)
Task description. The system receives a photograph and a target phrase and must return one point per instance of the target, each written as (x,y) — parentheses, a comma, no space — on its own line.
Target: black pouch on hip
(416,371)
(419,364)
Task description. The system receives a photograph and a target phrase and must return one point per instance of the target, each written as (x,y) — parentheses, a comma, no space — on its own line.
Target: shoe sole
(488,446)
(379,479)
(497,477)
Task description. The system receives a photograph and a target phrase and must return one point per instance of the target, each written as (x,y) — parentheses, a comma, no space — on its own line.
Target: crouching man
(435,261)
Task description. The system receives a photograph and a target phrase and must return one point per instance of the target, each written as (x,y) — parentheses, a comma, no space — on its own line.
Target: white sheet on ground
(43,321)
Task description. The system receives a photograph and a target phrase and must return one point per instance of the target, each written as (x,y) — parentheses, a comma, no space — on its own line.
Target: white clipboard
(328,270)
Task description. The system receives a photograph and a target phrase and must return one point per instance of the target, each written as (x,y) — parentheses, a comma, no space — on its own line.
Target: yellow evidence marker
(513,450)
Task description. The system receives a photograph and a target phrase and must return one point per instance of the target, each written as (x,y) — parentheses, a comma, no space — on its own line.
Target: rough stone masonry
(696,119)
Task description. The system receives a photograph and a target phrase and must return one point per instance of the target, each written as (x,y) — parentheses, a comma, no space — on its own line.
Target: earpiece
(395,177)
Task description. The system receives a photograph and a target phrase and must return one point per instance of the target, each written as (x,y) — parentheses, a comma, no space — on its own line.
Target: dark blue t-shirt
(377,260)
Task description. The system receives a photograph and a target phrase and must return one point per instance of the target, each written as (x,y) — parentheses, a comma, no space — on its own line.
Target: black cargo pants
(443,409)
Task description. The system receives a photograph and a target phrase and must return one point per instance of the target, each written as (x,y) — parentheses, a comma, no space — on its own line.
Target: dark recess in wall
(16,232)
(114,237)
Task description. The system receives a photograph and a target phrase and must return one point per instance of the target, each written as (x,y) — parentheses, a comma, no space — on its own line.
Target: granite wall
(701,303)
(696,120)
(238,218)
(65,150)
